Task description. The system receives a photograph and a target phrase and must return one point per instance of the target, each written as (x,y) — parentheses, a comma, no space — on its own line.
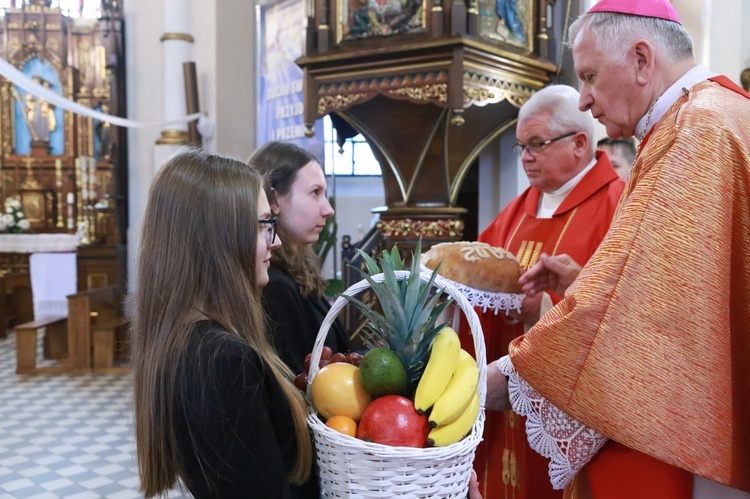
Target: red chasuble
(505,464)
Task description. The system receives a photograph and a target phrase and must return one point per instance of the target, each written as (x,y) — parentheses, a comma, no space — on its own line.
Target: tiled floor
(65,436)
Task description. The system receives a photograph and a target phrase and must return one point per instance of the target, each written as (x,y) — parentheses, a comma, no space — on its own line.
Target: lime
(382,373)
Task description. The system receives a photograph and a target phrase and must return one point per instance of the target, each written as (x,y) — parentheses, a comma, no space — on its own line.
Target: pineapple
(407,324)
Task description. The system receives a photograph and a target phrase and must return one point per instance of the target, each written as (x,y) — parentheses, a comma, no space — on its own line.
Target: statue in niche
(39,114)
(103,131)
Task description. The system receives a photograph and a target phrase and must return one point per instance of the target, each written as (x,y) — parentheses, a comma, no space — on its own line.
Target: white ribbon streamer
(7,70)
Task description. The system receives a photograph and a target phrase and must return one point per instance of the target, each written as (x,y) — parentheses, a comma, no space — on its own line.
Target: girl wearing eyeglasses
(215,407)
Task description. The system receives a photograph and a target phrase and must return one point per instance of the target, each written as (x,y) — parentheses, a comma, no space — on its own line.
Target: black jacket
(294,321)
(231,411)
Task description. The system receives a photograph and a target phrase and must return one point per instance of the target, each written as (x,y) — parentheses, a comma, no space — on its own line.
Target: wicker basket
(349,467)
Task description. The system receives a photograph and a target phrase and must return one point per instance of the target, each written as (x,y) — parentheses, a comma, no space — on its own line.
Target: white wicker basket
(349,467)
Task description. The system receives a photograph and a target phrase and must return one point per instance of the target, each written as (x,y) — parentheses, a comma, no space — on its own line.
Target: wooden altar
(69,171)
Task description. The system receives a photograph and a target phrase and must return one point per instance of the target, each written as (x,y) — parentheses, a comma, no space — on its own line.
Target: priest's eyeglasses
(268,228)
(535,148)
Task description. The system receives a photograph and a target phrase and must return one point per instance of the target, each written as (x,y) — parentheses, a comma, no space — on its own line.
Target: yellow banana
(453,432)
(439,369)
(457,395)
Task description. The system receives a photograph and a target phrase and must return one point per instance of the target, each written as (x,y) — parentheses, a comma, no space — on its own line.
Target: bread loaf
(477,265)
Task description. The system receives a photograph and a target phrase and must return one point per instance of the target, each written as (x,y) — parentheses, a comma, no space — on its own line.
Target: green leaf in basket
(407,324)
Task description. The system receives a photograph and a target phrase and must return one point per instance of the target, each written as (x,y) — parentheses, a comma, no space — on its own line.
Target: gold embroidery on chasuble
(550,230)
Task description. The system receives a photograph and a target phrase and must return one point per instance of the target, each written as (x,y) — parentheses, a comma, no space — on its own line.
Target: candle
(58,173)
(59,185)
(92,178)
(70,198)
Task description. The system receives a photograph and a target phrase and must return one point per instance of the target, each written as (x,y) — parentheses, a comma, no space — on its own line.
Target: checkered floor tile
(65,436)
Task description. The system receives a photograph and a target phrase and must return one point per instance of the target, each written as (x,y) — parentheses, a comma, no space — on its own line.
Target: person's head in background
(296,188)
(621,153)
(555,138)
(204,252)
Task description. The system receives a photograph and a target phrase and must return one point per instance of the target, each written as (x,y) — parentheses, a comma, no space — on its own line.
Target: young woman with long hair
(294,297)
(215,407)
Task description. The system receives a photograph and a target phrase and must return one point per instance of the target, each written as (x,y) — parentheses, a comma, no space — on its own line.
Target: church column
(176,49)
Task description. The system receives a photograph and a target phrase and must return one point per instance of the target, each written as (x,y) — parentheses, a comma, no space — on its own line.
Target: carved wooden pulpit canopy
(429,83)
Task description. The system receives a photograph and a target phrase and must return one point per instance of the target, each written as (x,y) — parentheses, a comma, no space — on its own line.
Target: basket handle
(439,282)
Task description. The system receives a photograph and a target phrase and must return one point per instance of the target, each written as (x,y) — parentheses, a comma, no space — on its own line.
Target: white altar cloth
(53,277)
(39,243)
(52,263)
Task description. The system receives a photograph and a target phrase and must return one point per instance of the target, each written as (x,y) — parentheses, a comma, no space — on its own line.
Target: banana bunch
(449,386)
(439,369)
(458,394)
(453,432)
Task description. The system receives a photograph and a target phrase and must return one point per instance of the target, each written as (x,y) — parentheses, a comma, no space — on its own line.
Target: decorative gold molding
(426,93)
(185,37)
(417,87)
(173,137)
(328,103)
(408,228)
(480,90)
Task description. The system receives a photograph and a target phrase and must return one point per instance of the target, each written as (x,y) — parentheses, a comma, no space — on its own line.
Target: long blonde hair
(279,163)
(198,251)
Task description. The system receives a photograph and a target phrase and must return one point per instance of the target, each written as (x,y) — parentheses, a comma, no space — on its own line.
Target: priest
(573,195)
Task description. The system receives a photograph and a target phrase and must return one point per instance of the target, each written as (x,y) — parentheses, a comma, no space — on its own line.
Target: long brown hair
(197,252)
(279,163)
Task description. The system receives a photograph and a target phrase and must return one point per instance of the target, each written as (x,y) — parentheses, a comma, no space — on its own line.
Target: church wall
(143,27)
(355,197)
(235,78)
(206,57)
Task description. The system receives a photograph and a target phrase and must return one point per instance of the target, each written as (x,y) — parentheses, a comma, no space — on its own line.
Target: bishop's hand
(553,273)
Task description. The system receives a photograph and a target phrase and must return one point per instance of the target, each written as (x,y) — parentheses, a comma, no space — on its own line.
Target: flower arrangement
(12,220)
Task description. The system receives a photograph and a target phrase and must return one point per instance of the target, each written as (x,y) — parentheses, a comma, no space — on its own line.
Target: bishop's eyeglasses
(535,148)
(268,228)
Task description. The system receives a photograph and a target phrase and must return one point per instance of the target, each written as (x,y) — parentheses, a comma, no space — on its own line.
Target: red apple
(392,420)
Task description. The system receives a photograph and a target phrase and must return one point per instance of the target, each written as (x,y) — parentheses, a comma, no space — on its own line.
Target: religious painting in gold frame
(366,19)
(507,22)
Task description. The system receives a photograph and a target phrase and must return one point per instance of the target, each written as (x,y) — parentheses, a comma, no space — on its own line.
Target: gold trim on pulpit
(407,228)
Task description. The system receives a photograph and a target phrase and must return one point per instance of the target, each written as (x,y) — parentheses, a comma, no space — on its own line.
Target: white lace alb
(566,442)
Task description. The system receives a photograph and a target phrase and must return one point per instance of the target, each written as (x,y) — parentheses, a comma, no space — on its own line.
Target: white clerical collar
(669,97)
(551,201)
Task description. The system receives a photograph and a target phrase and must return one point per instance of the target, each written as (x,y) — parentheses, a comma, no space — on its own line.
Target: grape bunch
(326,357)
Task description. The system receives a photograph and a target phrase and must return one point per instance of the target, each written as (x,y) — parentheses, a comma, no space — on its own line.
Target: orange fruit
(343,424)
(338,391)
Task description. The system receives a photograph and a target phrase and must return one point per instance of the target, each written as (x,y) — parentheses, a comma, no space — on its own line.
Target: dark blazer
(294,321)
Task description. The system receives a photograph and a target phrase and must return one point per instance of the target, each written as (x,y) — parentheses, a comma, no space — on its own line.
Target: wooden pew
(55,344)
(16,305)
(87,341)
(93,325)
